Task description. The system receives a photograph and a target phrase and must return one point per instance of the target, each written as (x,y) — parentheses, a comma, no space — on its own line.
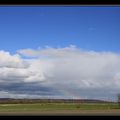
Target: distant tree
(119,100)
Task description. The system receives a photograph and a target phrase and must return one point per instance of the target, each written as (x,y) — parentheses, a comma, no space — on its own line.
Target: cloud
(8,94)
(13,61)
(13,68)
(90,68)
(49,51)
(29,90)
(70,71)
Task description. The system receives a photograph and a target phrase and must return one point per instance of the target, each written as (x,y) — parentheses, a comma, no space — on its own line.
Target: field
(60,109)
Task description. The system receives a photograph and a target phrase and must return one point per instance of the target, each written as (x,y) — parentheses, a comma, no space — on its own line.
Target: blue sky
(73,65)
(90,27)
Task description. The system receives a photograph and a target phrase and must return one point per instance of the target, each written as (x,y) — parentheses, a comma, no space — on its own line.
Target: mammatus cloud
(70,71)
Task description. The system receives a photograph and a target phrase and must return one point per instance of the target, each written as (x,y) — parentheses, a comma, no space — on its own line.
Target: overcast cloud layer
(59,73)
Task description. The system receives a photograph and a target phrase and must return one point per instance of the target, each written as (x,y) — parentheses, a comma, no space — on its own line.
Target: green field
(60,109)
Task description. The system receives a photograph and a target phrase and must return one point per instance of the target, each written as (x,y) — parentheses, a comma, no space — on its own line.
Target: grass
(44,108)
(57,106)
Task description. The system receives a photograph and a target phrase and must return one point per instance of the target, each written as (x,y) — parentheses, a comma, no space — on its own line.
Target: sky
(60,52)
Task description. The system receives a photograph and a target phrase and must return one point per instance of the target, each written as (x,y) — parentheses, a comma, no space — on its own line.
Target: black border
(60,2)
(59,117)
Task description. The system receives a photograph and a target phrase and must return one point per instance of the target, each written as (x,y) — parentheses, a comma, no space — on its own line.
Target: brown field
(65,112)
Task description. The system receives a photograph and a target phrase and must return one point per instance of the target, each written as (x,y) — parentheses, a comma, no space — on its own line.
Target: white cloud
(14,61)
(68,70)
(70,64)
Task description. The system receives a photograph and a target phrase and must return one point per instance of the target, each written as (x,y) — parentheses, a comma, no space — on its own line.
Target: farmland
(59,108)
